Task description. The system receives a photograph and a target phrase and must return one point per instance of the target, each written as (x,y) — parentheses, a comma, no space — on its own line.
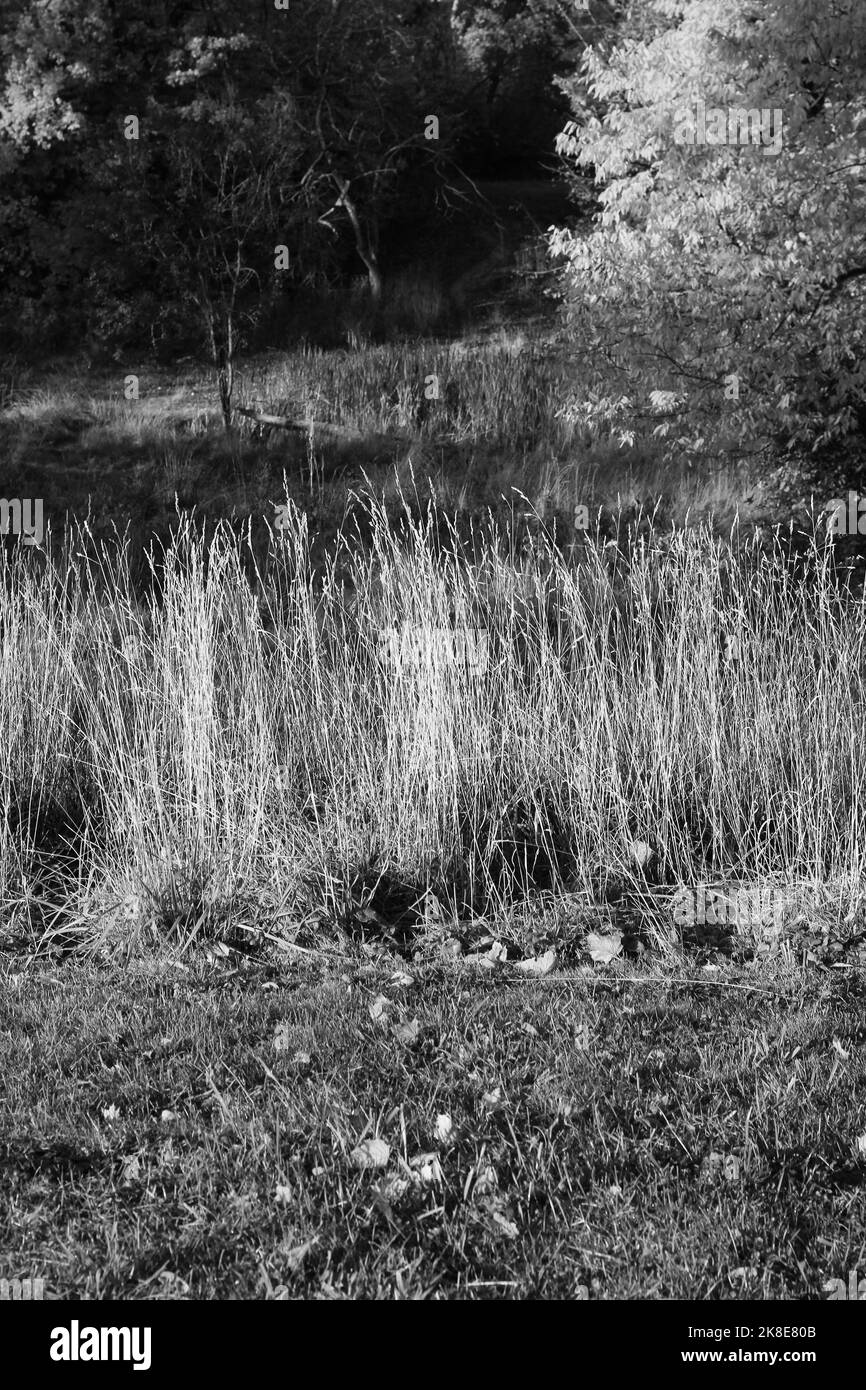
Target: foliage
(300,127)
(721,293)
(514,49)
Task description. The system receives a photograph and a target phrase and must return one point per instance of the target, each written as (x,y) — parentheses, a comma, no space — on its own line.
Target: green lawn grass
(613,1131)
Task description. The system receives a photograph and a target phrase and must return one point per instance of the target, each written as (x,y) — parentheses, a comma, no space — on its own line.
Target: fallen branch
(285,422)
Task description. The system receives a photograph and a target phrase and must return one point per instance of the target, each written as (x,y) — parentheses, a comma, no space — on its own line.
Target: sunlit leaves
(710,260)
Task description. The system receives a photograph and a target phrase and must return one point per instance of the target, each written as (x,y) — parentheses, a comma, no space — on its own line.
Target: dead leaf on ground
(444,1126)
(392,1189)
(486,1181)
(131,1169)
(450,949)
(371,1153)
(497,954)
(538,965)
(379,1007)
(407,1033)
(492,1100)
(501,1215)
(428,1168)
(603,949)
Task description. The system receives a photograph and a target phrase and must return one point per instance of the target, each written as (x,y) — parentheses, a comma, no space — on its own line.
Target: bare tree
(219,189)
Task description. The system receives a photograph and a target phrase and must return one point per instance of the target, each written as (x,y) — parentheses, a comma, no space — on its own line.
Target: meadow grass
(465,418)
(463,714)
(362,798)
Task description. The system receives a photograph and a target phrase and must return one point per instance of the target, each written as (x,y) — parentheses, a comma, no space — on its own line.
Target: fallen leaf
(394,1187)
(492,1100)
(282,1037)
(407,1032)
(538,965)
(371,1153)
(110,1112)
(400,980)
(283,1195)
(481,962)
(167,1116)
(505,1224)
(379,1006)
(496,954)
(444,1126)
(486,1181)
(301,1059)
(451,949)
(428,1167)
(603,949)
(861,1143)
(131,1168)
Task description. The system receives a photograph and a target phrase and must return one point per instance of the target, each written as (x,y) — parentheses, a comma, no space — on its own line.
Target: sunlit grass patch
(646,687)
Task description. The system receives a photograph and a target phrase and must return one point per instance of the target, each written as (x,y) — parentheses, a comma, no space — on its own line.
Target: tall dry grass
(229,746)
(506,390)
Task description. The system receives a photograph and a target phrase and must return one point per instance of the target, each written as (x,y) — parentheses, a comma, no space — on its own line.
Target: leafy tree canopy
(720,294)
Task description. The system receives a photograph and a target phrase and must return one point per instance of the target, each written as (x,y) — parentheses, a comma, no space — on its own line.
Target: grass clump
(428,710)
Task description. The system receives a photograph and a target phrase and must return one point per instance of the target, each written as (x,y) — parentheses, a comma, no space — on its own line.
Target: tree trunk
(219,327)
(226,379)
(363,244)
